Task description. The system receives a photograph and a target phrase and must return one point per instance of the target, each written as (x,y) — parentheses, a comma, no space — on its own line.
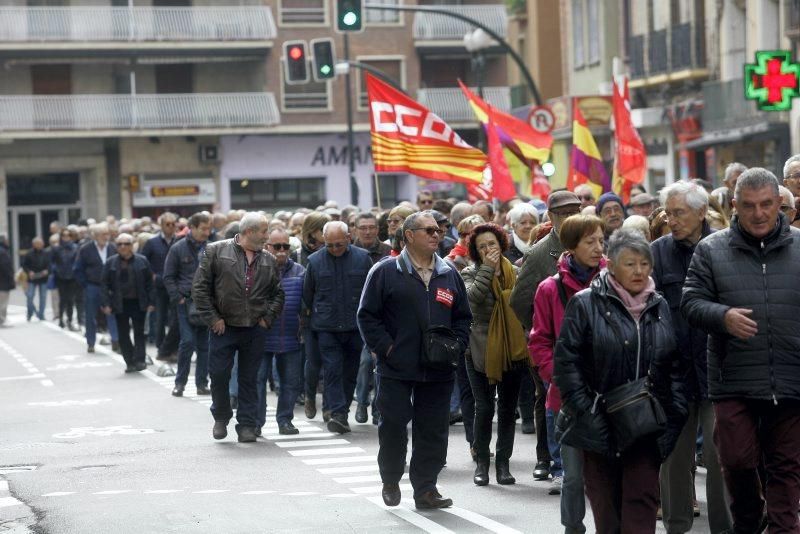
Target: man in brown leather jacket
(237,292)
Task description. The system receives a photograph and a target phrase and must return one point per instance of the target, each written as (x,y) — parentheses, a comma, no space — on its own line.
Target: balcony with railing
(671,54)
(97,27)
(451,105)
(144,114)
(432,28)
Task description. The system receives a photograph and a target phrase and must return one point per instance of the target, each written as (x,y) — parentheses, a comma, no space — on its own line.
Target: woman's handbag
(634,412)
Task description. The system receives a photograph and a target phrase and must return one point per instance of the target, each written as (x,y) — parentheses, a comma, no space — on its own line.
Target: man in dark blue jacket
(283,339)
(182,261)
(334,278)
(63,266)
(399,291)
(88,269)
(155,251)
(686,205)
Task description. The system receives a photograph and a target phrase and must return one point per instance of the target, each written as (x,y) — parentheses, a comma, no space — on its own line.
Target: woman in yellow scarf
(498,353)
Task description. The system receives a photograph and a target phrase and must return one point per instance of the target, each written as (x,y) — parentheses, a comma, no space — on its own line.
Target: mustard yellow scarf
(505,342)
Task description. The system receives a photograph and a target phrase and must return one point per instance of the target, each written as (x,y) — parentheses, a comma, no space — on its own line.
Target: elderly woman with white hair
(524,218)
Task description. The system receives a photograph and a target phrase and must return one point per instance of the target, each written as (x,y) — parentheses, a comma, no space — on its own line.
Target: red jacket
(548,313)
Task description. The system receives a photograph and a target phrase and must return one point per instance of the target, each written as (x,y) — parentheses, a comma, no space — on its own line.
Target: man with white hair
(238,295)
(686,205)
(791,174)
(89,274)
(724,194)
(586,195)
(334,278)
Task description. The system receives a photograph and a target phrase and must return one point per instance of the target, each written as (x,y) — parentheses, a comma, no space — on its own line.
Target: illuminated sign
(772,81)
(178,191)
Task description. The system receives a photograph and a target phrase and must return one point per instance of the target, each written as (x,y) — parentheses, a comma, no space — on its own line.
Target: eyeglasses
(795,176)
(280,246)
(125,244)
(335,245)
(786,209)
(586,197)
(430,230)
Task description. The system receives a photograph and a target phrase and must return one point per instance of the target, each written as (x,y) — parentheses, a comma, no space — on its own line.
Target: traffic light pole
(503,44)
(350,144)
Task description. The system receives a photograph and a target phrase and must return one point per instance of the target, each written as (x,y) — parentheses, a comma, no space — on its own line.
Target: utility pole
(348,92)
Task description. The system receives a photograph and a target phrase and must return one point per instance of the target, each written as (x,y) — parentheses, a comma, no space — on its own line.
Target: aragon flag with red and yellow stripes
(408,137)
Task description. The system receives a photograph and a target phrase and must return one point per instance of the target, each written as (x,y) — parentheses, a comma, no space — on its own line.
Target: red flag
(630,160)
(502,183)
(540,186)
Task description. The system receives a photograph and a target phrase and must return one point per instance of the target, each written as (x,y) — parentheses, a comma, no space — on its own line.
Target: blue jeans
(573,502)
(193,338)
(365,373)
(290,370)
(91,299)
(233,386)
(30,293)
(556,468)
(341,354)
(455,399)
(313,366)
(249,343)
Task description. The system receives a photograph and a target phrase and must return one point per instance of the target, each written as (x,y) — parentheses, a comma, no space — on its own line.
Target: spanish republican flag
(585,162)
(407,137)
(630,158)
(516,135)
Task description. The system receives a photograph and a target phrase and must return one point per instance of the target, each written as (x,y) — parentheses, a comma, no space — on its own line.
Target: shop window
(302,12)
(578,53)
(259,194)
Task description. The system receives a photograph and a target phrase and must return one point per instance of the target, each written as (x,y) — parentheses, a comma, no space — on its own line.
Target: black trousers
(427,406)
(67,292)
(168,335)
(131,314)
(539,411)
(467,398)
(507,396)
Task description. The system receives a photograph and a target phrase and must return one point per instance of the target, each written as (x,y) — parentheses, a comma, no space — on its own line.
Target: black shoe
(177,391)
(257,430)
(141,366)
(338,423)
(456,417)
(234,402)
(203,390)
(361,413)
(130,368)
(504,477)
(220,430)
(90,349)
(541,471)
(481,477)
(528,426)
(431,500)
(326,416)
(246,434)
(391,494)
(287,429)
(115,347)
(311,407)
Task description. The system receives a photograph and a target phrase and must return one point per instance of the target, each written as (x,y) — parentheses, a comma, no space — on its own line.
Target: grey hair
(793,159)
(629,239)
(411,221)
(695,196)
(521,209)
(98,228)
(756,178)
(732,168)
(250,220)
(335,225)
(167,215)
(786,195)
(125,235)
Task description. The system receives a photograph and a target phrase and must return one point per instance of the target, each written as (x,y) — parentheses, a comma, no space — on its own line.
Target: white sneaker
(555,486)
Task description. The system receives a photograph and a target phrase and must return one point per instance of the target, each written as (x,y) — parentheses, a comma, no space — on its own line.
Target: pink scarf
(634,304)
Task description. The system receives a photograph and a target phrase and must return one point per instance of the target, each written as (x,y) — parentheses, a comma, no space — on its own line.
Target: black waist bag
(441,348)
(634,412)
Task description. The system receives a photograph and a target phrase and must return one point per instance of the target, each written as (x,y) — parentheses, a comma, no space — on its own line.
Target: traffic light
(349,15)
(323,59)
(296,62)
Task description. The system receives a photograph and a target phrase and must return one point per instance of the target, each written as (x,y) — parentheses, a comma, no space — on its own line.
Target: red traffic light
(296,52)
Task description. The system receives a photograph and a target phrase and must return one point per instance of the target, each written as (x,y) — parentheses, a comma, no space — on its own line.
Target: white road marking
(5,502)
(343,460)
(299,494)
(321,443)
(377,489)
(326,452)
(53,404)
(161,492)
(58,494)
(3,485)
(489,524)
(211,491)
(17,469)
(412,517)
(82,365)
(362,479)
(348,469)
(25,377)
(258,492)
(274,425)
(111,492)
(302,435)
(48,383)
(342,495)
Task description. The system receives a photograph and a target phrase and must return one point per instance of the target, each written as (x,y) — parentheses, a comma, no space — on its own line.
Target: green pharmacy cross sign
(773,80)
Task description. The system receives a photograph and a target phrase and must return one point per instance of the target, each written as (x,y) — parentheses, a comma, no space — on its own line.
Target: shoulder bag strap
(562,291)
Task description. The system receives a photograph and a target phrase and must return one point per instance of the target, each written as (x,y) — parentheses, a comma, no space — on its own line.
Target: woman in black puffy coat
(615,332)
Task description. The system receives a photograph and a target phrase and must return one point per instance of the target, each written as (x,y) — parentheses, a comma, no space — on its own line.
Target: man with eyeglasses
(540,262)
(425,199)
(788,203)
(585,194)
(332,287)
(417,286)
(128,292)
(283,343)
(155,251)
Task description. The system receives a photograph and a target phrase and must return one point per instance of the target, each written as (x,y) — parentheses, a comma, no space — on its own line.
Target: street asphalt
(86,448)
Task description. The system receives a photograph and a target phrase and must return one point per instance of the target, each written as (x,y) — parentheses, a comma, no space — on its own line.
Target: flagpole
(377,190)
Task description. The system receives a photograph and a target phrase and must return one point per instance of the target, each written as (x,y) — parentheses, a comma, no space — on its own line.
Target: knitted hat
(608,197)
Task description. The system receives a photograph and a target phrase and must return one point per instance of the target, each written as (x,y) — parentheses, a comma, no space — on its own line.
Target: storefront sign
(773,80)
(175,193)
(595,109)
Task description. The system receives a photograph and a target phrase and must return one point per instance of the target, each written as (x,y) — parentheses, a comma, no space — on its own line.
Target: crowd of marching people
(637,340)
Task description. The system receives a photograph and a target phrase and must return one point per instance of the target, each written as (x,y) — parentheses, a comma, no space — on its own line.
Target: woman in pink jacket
(582,237)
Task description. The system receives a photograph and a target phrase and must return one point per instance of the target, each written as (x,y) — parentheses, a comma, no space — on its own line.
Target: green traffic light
(325,69)
(350,18)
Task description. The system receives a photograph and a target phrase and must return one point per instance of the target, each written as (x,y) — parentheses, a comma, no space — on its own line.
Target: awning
(733,135)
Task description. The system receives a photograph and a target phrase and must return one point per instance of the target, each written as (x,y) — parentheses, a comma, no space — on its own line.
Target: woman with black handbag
(498,356)
(623,403)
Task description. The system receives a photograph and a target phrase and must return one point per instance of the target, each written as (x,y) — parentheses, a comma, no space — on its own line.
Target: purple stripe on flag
(592,168)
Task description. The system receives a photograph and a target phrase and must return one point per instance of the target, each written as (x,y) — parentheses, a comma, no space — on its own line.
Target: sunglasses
(124,243)
(280,246)
(430,230)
